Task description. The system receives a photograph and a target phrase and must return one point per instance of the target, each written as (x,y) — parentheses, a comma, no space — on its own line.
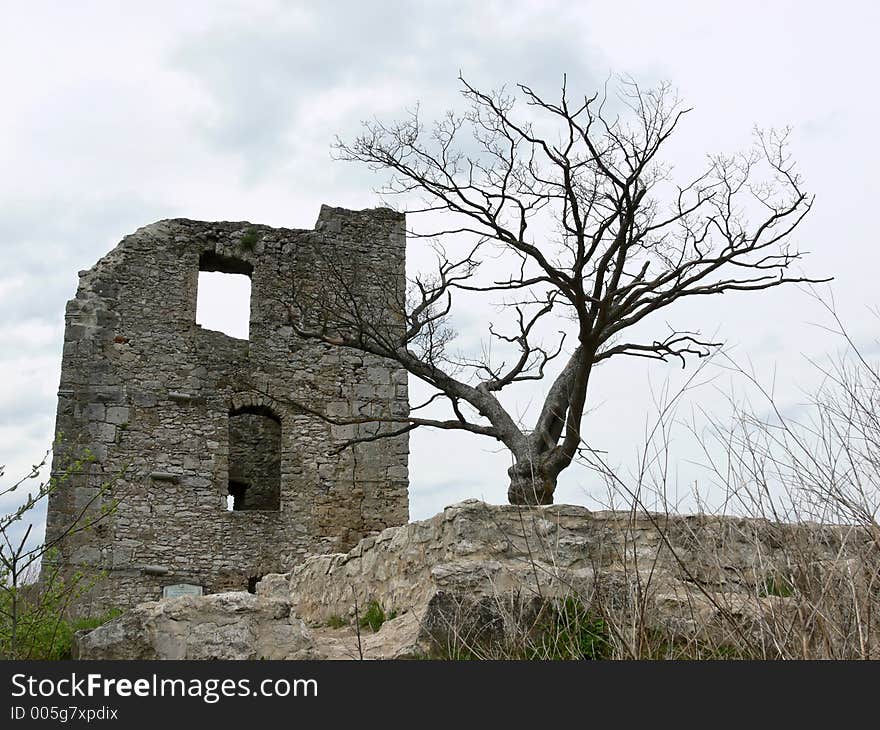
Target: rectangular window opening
(224,303)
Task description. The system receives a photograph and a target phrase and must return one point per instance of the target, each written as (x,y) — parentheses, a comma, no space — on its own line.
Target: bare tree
(579,206)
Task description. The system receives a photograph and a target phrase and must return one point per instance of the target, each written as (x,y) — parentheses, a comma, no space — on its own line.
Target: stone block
(105,432)
(117,414)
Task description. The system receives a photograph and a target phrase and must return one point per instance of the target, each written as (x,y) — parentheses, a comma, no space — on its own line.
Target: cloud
(44,242)
(283,85)
(120,116)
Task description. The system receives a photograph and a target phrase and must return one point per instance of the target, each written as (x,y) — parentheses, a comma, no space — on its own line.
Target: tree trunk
(530,484)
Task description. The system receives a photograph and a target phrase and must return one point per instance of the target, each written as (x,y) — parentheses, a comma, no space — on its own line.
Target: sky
(120,114)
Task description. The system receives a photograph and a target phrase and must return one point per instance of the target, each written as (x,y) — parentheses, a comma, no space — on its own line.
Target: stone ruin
(221,468)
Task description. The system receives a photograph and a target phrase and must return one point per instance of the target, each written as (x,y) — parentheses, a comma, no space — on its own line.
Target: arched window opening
(254,460)
(223,302)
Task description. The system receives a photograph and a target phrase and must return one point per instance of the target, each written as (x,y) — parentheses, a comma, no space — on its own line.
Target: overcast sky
(120,114)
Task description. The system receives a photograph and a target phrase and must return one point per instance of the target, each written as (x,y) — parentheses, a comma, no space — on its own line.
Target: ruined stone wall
(149,394)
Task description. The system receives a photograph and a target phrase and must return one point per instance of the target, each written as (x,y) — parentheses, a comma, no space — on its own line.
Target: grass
(375,616)
(776,586)
(568,629)
(575,632)
(45,636)
(571,629)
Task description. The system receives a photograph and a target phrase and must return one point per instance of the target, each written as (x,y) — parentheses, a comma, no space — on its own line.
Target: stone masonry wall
(149,394)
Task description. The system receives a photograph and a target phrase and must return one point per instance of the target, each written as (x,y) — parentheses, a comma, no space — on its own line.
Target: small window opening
(252,583)
(254,460)
(223,302)
(235,498)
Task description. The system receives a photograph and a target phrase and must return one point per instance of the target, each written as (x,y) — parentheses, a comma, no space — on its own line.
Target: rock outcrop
(234,625)
(477,575)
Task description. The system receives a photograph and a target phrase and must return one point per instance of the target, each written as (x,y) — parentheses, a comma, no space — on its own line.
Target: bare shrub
(35,594)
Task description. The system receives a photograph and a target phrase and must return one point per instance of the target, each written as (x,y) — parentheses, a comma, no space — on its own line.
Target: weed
(250,239)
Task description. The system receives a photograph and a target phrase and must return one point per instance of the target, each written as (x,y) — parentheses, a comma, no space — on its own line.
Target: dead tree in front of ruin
(579,206)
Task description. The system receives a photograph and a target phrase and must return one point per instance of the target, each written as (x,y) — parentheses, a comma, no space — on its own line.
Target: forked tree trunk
(540,457)
(530,483)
